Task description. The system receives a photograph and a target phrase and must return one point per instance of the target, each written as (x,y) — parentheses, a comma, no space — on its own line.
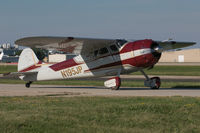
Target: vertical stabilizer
(1,54)
(27,61)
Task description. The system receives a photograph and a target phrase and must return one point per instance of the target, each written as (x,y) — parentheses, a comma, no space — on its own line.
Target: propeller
(158,49)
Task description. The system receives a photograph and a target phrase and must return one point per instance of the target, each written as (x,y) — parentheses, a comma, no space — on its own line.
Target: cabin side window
(103,51)
(114,48)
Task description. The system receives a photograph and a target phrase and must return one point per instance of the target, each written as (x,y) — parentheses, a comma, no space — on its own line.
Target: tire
(27,85)
(157,84)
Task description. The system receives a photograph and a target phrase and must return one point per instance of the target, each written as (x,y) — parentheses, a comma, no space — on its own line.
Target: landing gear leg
(28,84)
(153,83)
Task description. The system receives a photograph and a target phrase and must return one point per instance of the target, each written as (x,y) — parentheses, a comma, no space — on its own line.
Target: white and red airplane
(95,58)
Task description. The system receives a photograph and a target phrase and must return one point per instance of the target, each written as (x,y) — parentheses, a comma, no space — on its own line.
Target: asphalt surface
(69,91)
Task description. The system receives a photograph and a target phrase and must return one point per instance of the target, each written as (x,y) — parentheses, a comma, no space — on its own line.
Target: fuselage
(119,58)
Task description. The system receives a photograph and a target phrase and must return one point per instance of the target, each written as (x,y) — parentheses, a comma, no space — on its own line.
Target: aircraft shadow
(173,88)
(123,88)
(71,87)
(187,87)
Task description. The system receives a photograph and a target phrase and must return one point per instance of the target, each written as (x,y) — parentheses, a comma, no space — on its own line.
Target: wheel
(156,83)
(27,85)
(113,83)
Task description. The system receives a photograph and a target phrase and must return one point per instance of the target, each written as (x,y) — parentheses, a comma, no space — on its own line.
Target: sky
(115,19)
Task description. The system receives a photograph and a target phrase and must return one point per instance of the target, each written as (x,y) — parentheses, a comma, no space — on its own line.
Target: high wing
(169,45)
(65,44)
(84,45)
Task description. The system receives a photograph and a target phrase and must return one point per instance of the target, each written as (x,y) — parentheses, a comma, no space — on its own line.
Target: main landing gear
(28,84)
(113,83)
(153,83)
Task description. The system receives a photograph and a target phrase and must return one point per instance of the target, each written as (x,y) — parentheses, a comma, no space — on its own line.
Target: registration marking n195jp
(71,71)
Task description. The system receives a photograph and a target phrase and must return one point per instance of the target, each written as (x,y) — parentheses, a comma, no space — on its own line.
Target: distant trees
(18,52)
(40,53)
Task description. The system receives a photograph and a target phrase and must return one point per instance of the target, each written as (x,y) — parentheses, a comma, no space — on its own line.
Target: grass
(157,70)
(103,114)
(99,114)
(8,68)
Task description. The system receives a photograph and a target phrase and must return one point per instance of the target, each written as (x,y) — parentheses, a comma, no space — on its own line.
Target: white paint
(140,52)
(110,83)
(26,59)
(57,57)
(1,54)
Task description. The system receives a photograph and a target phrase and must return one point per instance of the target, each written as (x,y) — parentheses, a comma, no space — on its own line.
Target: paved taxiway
(68,91)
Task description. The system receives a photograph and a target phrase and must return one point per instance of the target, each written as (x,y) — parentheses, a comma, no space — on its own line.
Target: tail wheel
(157,83)
(28,84)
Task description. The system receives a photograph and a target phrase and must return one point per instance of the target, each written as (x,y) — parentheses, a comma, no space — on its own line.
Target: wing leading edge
(169,45)
(84,45)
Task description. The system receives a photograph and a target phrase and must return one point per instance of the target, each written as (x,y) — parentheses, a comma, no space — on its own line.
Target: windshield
(113,48)
(120,43)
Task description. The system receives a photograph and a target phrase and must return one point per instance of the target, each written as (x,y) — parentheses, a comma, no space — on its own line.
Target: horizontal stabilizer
(16,75)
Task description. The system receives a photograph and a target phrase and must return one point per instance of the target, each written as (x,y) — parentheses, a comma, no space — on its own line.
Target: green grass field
(8,68)
(103,114)
(99,114)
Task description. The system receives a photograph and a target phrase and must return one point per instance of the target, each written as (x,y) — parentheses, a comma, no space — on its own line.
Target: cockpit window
(121,42)
(113,48)
(103,51)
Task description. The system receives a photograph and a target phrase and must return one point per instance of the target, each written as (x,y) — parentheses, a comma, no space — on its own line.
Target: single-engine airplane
(95,58)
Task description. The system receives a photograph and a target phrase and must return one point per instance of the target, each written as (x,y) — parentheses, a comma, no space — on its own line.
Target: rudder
(27,60)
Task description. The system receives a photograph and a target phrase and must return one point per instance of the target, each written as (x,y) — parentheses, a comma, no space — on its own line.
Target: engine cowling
(146,53)
(149,53)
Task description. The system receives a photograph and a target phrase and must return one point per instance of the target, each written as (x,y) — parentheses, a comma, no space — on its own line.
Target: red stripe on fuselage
(144,61)
(31,67)
(64,65)
(141,61)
